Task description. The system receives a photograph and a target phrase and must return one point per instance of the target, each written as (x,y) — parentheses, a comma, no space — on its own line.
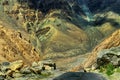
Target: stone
(5,66)
(9,73)
(40,63)
(46,73)
(79,76)
(16,65)
(17,74)
(112,41)
(47,67)
(2,78)
(114,60)
(5,63)
(109,56)
(36,71)
(34,64)
(25,70)
(1,73)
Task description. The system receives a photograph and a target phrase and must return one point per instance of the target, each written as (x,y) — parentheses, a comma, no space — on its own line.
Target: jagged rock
(2,76)
(16,70)
(5,63)
(36,70)
(17,75)
(9,68)
(16,65)
(25,70)
(112,41)
(5,66)
(47,65)
(15,43)
(109,56)
(34,64)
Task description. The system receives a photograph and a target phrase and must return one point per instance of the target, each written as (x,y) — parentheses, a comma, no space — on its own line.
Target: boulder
(79,76)
(16,65)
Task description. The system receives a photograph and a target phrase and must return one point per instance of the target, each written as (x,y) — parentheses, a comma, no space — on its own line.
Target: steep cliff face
(15,43)
(112,41)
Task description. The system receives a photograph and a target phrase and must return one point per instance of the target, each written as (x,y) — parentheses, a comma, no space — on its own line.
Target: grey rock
(17,75)
(2,78)
(5,63)
(25,70)
(35,70)
(113,51)
(34,64)
(79,76)
(46,73)
(111,55)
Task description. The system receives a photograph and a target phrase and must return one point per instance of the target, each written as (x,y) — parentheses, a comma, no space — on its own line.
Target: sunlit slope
(15,42)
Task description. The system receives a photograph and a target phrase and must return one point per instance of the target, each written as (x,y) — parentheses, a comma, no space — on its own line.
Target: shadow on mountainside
(73,9)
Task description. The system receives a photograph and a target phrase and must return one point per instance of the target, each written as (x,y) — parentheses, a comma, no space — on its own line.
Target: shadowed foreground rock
(80,76)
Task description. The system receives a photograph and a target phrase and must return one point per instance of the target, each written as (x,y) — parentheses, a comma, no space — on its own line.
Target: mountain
(15,42)
(71,33)
(59,31)
(112,41)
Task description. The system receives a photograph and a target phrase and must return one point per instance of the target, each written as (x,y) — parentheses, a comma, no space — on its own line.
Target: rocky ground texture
(18,71)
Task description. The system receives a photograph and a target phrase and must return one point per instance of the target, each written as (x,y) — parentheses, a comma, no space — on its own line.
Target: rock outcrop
(109,56)
(15,43)
(15,70)
(112,41)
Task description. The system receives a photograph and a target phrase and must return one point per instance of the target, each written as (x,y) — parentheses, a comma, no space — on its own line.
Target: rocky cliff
(112,41)
(15,42)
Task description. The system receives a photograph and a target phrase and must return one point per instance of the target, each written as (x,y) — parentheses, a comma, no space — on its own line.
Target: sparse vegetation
(108,69)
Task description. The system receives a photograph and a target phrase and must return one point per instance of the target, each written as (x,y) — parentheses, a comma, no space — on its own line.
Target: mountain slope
(15,43)
(112,41)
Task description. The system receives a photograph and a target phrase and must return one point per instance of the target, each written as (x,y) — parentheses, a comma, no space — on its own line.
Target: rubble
(17,70)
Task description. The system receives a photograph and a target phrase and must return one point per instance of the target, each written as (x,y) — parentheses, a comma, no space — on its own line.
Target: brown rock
(112,41)
(16,65)
(15,45)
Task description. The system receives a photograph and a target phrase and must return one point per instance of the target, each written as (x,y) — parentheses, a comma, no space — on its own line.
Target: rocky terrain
(15,43)
(16,70)
(76,35)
